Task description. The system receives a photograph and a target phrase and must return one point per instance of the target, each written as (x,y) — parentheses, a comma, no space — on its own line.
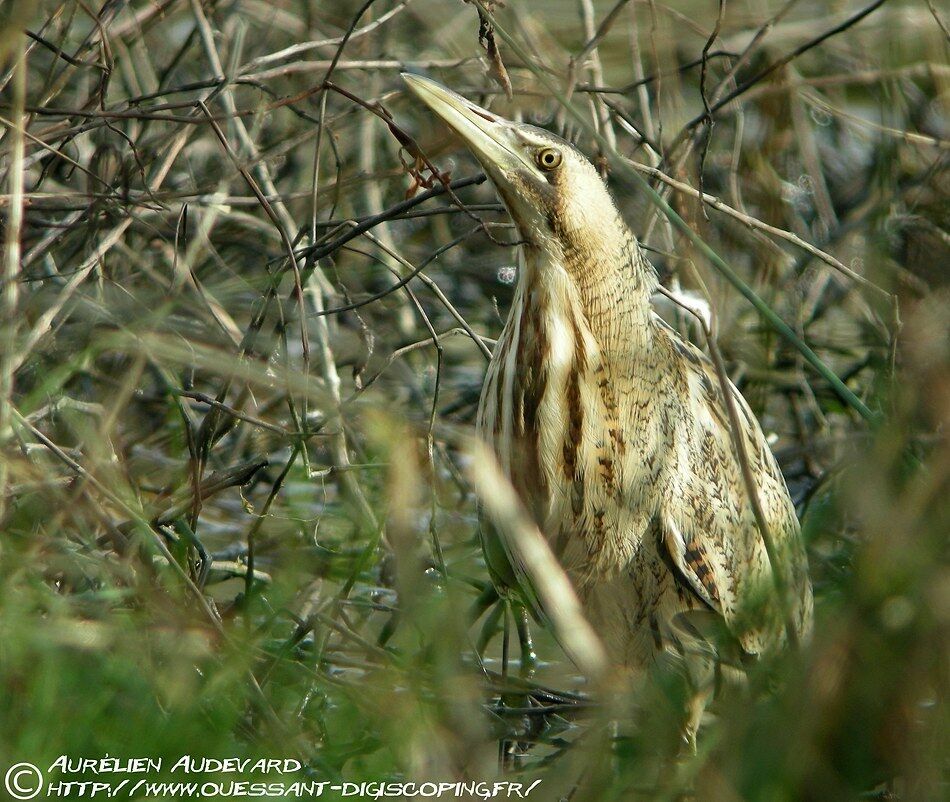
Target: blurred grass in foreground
(228,534)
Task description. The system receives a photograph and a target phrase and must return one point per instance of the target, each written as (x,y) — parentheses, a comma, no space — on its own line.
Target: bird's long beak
(490,137)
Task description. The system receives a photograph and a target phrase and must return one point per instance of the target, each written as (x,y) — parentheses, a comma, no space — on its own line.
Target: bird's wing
(693,566)
(709,528)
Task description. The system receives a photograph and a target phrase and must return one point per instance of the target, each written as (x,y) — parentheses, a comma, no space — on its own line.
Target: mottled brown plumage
(612,429)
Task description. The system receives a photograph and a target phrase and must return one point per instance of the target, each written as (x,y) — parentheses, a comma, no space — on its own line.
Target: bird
(613,430)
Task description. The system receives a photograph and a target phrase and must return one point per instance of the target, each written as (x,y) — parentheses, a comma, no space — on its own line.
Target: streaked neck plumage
(595,273)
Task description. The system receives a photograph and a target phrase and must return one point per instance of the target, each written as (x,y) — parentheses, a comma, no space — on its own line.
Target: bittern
(612,429)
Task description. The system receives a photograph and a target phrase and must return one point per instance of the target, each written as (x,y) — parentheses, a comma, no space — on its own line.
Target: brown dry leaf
(486,38)
(497,66)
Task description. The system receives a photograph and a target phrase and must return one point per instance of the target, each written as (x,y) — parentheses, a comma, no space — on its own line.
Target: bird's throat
(598,287)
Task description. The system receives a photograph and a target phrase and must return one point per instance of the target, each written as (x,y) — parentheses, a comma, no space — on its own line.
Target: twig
(353,33)
(778,64)
(274,218)
(753,222)
(550,587)
(315,252)
(9,285)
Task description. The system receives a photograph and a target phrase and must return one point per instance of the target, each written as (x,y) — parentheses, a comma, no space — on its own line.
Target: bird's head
(555,196)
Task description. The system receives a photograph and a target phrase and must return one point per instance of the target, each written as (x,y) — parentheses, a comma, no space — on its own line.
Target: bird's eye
(548,158)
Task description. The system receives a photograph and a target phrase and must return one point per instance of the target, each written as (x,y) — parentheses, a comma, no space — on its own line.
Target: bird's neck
(602,283)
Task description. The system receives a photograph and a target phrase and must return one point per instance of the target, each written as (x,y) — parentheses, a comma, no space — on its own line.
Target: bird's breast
(572,427)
